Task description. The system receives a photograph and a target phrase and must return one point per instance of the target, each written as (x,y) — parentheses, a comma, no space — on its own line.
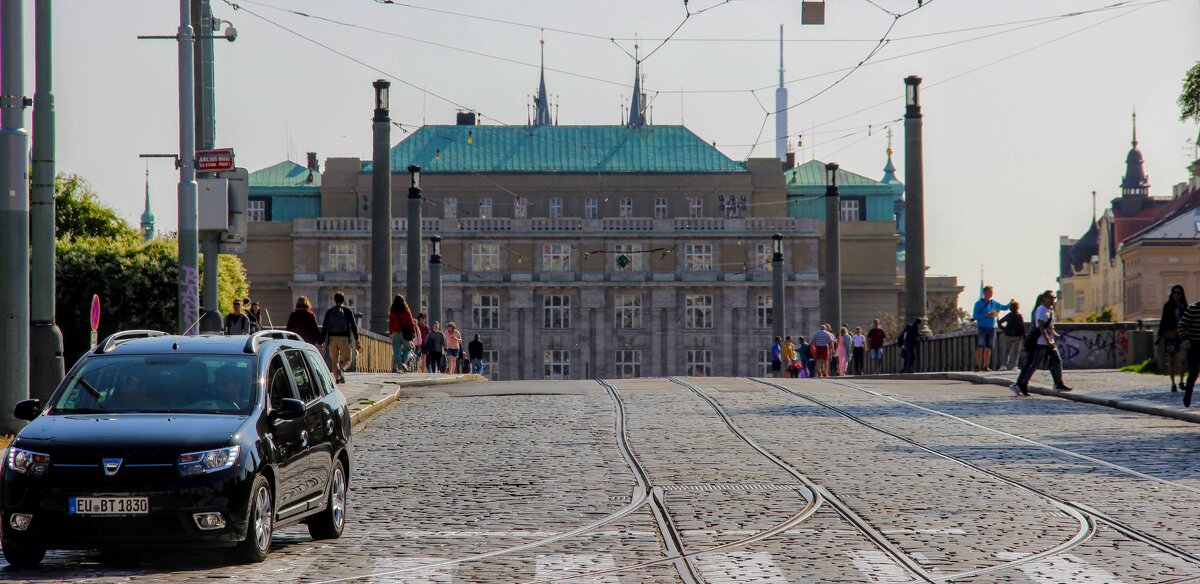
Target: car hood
(129,433)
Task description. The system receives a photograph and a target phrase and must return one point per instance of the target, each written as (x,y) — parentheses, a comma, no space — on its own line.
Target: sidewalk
(368,393)
(1147,394)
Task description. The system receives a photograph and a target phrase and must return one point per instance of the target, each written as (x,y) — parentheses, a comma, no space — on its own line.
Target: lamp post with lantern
(832,306)
(381,210)
(413,291)
(778,310)
(914,204)
(435,280)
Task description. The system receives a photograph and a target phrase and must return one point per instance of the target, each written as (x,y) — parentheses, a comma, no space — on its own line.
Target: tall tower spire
(781,103)
(541,116)
(1135,183)
(147,217)
(637,109)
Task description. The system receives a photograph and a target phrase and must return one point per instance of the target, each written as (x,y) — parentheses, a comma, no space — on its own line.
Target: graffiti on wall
(1094,349)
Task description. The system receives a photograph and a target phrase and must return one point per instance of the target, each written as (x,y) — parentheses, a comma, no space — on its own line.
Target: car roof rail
(257,339)
(120,337)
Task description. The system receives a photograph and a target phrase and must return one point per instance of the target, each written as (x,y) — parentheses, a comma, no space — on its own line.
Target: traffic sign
(214,160)
(95,312)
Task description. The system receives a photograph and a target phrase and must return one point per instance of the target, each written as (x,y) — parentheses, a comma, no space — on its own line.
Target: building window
(698,311)
(555,207)
(558,364)
(450,208)
(699,363)
(763,254)
(764,313)
(629,364)
(400,256)
(589,208)
(660,208)
(556,257)
(556,311)
(731,206)
(343,257)
(1079,298)
(485,208)
(632,254)
(625,210)
(695,207)
(485,257)
(258,210)
(491,364)
(851,209)
(521,208)
(698,257)
(485,311)
(764,363)
(628,311)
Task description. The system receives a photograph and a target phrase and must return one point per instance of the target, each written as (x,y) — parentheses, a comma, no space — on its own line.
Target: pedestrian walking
(236,322)
(303,322)
(844,352)
(254,313)
(1041,346)
(475,352)
(1013,326)
(986,311)
(822,343)
(1189,333)
(435,349)
(453,346)
(403,329)
(875,339)
(777,358)
(910,346)
(1168,333)
(803,357)
(424,328)
(340,332)
(859,357)
(789,358)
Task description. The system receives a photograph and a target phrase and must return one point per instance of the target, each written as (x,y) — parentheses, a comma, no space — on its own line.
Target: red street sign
(95,312)
(214,160)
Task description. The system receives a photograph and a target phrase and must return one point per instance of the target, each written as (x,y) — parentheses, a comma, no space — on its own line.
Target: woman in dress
(1168,333)
(844,342)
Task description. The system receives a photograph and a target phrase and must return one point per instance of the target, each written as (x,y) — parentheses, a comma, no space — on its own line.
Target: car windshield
(217,384)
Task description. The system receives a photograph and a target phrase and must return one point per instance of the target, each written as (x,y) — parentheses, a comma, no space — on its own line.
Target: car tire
(260,524)
(22,556)
(328,524)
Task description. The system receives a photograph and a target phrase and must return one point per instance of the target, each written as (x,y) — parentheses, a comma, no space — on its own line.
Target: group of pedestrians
(338,332)
(1179,333)
(244,322)
(420,346)
(829,355)
(1039,344)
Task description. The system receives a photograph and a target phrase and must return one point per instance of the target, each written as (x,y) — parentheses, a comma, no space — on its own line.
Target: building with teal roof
(286,191)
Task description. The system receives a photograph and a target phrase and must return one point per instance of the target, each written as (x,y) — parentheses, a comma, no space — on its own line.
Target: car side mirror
(290,409)
(27,409)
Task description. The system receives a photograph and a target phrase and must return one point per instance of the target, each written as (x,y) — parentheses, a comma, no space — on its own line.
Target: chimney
(313,165)
(465,118)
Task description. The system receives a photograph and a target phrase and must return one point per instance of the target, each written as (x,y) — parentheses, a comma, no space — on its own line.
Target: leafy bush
(1147,367)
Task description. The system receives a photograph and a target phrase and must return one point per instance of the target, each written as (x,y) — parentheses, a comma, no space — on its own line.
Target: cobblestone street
(736,480)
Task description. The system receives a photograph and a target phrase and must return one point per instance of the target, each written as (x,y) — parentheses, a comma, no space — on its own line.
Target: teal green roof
(285,175)
(812,173)
(559,149)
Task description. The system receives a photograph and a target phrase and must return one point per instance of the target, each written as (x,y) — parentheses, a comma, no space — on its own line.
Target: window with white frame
(763,254)
(450,208)
(557,364)
(632,252)
(589,208)
(556,207)
(521,208)
(625,210)
(400,255)
(699,363)
(485,311)
(763,314)
(660,208)
(485,208)
(629,364)
(698,257)
(485,257)
(698,311)
(343,256)
(556,311)
(850,210)
(628,311)
(256,210)
(764,363)
(695,207)
(491,364)
(556,257)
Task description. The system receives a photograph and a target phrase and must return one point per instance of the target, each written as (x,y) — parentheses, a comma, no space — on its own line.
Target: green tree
(946,317)
(78,212)
(1189,97)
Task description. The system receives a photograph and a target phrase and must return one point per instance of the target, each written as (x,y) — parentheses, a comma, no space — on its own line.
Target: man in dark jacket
(910,341)
(340,333)
(236,322)
(435,349)
(475,353)
(1189,334)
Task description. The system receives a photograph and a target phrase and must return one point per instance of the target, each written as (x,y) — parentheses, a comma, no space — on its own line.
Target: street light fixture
(436,240)
(777,243)
(382,88)
(912,95)
(415,171)
(831,170)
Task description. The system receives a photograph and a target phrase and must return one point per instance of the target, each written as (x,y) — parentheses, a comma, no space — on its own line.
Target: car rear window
(221,384)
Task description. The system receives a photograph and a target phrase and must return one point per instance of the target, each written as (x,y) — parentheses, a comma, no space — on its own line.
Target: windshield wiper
(92,390)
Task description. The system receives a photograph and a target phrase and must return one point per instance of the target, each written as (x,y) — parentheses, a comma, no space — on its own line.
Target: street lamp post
(914,206)
(778,310)
(435,280)
(414,238)
(833,248)
(381,210)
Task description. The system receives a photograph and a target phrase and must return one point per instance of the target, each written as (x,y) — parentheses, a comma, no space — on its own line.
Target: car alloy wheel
(262,519)
(337,498)
(328,524)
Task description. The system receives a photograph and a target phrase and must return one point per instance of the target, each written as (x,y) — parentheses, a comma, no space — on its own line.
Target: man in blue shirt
(985,313)
(777,358)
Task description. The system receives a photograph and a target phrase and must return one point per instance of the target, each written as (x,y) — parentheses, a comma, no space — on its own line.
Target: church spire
(637,107)
(541,116)
(1135,183)
(147,224)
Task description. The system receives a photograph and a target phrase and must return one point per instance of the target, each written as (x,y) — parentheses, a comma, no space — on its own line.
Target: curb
(1139,406)
(361,416)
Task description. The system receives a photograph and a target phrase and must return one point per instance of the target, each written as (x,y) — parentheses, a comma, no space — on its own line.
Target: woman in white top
(859,343)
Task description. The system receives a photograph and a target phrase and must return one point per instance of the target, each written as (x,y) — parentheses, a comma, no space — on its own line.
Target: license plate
(110,505)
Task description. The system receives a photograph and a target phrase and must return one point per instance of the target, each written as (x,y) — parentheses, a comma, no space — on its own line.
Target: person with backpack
(910,342)
(1013,325)
(1189,335)
(340,333)
(1041,345)
(236,322)
(403,329)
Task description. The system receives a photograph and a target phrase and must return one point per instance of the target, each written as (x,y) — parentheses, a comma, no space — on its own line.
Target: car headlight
(198,463)
(29,463)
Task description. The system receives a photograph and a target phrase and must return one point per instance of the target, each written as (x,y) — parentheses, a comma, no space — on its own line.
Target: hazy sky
(1012,150)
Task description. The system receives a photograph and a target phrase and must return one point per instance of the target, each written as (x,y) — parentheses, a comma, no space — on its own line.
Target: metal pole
(45,338)
(833,249)
(14,218)
(381,210)
(206,138)
(778,309)
(189,260)
(414,240)
(914,206)
(435,280)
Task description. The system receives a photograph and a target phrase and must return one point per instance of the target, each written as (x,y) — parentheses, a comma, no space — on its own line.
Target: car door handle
(329,426)
(304,438)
